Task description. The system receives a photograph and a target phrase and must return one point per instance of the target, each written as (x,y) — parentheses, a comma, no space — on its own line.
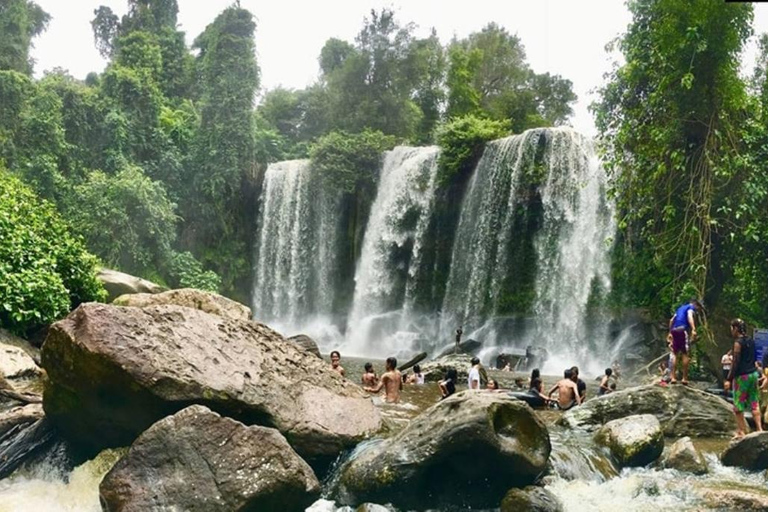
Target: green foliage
(127,219)
(462,141)
(671,119)
(188,272)
(20,22)
(349,163)
(44,270)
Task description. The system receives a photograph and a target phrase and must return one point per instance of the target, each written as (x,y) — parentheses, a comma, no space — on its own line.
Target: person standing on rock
(744,377)
(727,361)
(473,379)
(459,332)
(682,327)
(391,381)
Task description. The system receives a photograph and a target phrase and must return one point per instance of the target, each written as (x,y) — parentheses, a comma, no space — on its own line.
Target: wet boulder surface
(114,370)
(749,452)
(681,410)
(465,451)
(683,456)
(212,303)
(196,460)
(634,440)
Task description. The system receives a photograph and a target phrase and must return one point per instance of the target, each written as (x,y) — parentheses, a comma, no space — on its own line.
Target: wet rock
(469,346)
(113,371)
(681,410)
(306,343)
(683,456)
(16,363)
(198,460)
(634,440)
(21,415)
(736,500)
(465,451)
(117,284)
(413,361)
(750,452)
(209,302)
(434,371)
(530,499)
(23,441)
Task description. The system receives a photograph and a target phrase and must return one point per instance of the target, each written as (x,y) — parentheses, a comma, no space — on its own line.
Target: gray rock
(115,370)
(21,415)
(196,460)
(434,371)
(209,302)
(634,440)
(681,410)
(750,452)
(683,456)
(118,283)
(465,451)
(530,499)
(306,343)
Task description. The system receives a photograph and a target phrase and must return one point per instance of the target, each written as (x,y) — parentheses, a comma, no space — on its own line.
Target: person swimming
(391,381)
(369,377)
(335,363)
(417,377)
(567,391)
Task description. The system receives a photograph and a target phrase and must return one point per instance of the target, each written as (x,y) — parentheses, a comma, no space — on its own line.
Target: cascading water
(294,268)
(392,247)
(533,243)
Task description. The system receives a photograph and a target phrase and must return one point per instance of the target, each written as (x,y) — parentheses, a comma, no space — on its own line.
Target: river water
(581,475)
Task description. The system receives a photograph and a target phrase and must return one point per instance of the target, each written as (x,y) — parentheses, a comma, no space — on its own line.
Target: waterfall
(392,247)
(533,243)
(294,268)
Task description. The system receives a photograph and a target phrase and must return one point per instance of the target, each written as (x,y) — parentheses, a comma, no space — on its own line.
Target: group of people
(741,369)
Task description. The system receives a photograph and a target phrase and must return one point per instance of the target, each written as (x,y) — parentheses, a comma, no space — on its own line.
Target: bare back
(393,383)
(566,393)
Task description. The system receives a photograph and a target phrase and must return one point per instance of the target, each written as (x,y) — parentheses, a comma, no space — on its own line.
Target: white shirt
(419,378)
(474,374)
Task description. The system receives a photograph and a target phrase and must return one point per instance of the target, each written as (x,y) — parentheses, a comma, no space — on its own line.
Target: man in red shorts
(683,330)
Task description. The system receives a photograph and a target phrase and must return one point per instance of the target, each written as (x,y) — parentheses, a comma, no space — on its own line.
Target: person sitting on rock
(391,381)
(448,384)
(605,383)
(369,377)
(335,360)
(417,377)
(567,391)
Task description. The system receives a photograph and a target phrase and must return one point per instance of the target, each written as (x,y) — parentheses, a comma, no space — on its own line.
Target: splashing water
(295,250)
(46,488)
(386,273)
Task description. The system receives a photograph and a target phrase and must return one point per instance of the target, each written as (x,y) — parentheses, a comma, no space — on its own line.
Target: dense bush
(188,272)
(462,141)
(44,270)
(350,162)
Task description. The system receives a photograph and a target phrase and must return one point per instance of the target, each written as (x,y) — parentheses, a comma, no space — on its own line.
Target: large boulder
(113,371)
(683,456)
(197,460)
(306,344)
(530,499)
(209,302)
(750,452)
(117,284)
(634,440)
(465,451)
(434,370)
(681,410)
(470,346)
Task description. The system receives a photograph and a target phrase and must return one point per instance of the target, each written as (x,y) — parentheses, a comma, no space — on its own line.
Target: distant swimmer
(369,376)
(417,377)
(605,383)
(335,359)
(391,381)
(567,391)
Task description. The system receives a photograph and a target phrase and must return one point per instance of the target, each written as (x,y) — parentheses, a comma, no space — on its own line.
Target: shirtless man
(391,381)
(369,377)
(567,391)
(335,358)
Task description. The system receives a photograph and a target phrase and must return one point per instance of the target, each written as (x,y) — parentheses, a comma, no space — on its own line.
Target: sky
(565,37)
